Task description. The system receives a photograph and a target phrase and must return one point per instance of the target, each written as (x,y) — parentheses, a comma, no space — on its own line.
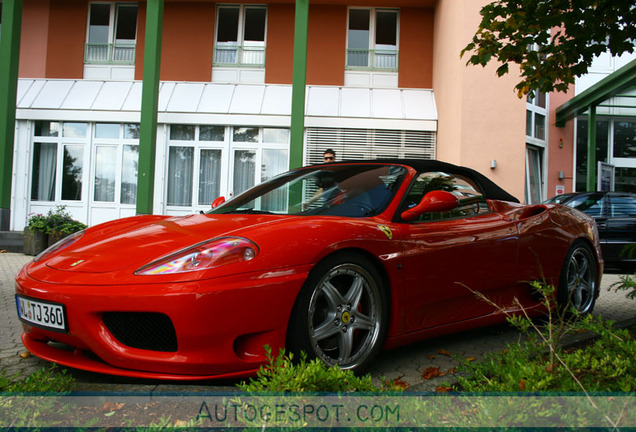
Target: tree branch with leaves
(552,41)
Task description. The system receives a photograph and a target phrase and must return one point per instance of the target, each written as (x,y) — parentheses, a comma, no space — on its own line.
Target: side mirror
(434,201)
(217,202)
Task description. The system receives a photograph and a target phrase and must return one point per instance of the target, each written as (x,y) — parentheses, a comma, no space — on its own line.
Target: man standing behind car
(329,156)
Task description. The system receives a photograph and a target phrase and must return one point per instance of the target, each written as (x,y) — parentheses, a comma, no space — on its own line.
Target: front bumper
(220,325)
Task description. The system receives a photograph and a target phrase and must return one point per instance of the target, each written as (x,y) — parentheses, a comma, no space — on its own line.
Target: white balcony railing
(117,53)
(386,60)
(235,55)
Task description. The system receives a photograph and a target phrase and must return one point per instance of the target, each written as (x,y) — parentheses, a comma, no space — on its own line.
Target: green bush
(57,221)
(540,363)
(37,222)
(284,373)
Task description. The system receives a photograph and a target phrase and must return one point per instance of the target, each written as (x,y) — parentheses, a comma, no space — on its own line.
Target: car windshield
(351,190)
(558,199)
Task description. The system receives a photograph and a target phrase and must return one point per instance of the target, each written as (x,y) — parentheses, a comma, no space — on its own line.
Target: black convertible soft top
(488,187)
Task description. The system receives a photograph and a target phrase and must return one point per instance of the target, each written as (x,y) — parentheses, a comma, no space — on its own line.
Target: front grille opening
(143,330)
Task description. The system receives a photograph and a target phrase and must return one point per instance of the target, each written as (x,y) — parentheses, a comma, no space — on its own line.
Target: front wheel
(578,282)
(341,314)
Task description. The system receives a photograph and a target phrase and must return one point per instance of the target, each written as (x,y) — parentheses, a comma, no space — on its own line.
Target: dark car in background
(615,216)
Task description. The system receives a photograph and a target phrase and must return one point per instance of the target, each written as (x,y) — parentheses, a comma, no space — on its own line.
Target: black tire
(341,314)
(578,282)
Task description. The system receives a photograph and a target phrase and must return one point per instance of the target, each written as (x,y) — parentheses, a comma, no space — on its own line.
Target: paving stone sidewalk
(408,364)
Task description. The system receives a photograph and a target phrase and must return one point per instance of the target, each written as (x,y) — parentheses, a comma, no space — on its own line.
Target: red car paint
(222,316)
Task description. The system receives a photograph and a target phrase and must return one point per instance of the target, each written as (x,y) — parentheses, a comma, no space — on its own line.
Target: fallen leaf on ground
(431,372)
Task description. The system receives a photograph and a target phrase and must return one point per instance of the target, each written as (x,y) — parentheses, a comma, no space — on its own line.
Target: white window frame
(77,208)
(118,143)
(533,108)
(258,148)
(244,49)
(113,43)
(529,185)
(228,148)
(535,142)
(373,46)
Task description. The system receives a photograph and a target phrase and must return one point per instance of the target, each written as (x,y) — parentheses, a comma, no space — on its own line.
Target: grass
(51,379)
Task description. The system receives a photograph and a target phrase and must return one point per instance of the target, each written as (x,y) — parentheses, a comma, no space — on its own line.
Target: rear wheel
(341,314)
(578,283)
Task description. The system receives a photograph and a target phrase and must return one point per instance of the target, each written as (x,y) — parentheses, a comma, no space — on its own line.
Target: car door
(618,228)
(448,256)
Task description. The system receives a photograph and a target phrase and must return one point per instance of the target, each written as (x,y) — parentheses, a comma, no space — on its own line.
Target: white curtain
(209,176)
(44,167)
(180,167)
(274,163)
(244,170)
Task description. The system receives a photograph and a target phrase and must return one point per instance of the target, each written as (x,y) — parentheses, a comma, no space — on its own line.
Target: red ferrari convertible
(337,260)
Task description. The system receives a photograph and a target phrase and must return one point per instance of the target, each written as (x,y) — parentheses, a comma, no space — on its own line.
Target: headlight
(203,256)
(62,244)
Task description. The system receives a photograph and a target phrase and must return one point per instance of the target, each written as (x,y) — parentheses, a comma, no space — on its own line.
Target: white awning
(227,104)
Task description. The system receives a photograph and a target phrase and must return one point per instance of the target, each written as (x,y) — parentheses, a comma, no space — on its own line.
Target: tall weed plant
(540,362)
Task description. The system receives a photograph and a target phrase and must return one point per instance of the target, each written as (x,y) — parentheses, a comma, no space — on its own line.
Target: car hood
(140,240)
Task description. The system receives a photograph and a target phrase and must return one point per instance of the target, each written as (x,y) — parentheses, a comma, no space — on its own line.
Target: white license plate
(47,315)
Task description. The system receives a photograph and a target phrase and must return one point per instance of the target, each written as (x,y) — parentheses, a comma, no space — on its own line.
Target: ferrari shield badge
(386,230)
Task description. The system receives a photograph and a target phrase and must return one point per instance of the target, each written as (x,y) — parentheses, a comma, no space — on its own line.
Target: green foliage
(37,222)
(626,283)
(552,41)
(540,363)
(284,373)
(57,221)
(44,380)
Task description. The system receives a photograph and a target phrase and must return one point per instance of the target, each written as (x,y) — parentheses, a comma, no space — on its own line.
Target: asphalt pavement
(422,366)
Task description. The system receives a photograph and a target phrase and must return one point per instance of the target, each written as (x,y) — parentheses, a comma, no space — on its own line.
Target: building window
(58,148)
(116,158)
(112,33)
(536,140)
(206,161)
(69,156)
(369,144)
(534,175)
(624,139)
(240,36)
(602,154)
(372,39)
(614,146)
(536,116)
